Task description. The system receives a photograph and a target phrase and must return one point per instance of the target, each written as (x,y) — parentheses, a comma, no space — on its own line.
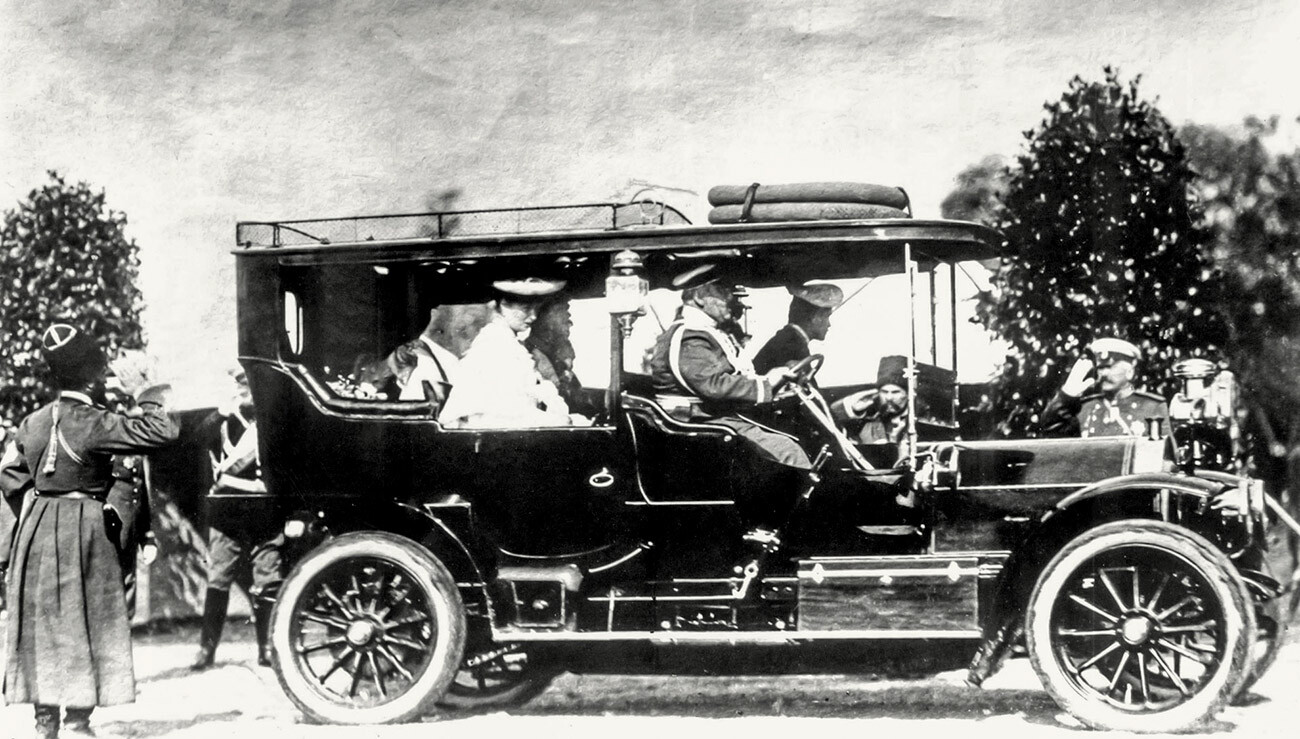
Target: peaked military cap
(696,276)
(1110,350)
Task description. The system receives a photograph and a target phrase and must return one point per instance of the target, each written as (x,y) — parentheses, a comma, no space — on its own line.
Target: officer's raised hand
(1080,379)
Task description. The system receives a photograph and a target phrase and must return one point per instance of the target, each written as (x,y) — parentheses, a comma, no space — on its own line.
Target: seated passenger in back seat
(429,360)
(497,384)
(552,351)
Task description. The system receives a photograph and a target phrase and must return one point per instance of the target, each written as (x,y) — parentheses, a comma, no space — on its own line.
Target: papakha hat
(528,287)
(71,353)
(822,295)
(892,371)
(1110,350)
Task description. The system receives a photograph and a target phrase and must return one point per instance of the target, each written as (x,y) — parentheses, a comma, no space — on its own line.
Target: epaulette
(1148,395)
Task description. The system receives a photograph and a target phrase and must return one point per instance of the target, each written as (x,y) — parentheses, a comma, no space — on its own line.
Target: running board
(729,637)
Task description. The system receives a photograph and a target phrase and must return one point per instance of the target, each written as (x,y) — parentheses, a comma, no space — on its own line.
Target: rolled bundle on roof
(796,211)
(811,192)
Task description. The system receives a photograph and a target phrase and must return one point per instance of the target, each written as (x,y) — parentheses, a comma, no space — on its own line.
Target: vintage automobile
(458,568)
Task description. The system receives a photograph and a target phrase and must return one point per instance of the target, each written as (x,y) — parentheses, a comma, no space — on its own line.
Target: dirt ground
(238,699)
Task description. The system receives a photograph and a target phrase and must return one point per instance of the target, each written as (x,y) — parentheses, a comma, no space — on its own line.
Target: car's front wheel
(368,629)
(1140,626)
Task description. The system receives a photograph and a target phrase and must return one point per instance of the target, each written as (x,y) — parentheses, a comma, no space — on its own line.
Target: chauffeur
(1116,408)
(810,318)
(698,373)
(69,643)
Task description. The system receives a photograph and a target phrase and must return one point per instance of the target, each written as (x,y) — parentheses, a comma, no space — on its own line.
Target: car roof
(753,254)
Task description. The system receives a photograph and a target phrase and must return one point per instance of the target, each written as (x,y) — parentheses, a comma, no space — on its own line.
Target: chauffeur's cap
(528,287)
(820,294)
(1110,350)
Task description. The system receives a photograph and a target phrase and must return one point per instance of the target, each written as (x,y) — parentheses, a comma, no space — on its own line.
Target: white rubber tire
(783,212)
(811,192)
(447,613)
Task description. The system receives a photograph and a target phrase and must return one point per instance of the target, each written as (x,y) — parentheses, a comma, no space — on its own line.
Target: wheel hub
(361,633)
(1136,630)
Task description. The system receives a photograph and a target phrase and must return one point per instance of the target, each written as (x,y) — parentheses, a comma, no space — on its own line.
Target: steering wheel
(803,371)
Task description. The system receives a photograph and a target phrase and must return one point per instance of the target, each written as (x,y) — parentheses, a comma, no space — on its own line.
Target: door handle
(602,479)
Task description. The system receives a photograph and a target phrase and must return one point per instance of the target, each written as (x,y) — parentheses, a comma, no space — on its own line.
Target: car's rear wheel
(368,629)
(1140,626)
(500,677)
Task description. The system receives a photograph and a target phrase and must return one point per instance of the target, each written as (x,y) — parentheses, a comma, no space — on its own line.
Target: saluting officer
(69,642)
(1115,408)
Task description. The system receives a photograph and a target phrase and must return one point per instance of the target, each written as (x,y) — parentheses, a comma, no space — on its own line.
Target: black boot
(262,626)
(77,722)
(214,619)
(47,721)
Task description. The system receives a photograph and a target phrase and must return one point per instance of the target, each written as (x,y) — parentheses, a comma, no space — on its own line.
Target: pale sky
(195,114)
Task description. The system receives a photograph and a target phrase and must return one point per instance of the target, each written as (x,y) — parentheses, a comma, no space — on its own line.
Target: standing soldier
(128,498)
(69,642)
(1116,408)
(240,547)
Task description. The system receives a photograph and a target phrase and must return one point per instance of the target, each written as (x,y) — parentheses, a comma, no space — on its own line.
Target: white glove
(1079,379)
(136,371)
(778,375)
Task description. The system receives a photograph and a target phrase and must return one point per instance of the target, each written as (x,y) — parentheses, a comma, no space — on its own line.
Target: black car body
(464,566)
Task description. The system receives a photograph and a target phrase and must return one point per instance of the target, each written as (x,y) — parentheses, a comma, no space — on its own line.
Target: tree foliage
(1251,198)
(64,256)
(978,194)
(1103,239)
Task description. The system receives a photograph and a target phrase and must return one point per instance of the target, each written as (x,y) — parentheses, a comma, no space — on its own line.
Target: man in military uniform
(1115,408)
(241,547)
(878,415)
(809,320)
(128,499)
(699,375)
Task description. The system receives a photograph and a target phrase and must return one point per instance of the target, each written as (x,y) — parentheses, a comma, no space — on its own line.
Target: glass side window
(292,323)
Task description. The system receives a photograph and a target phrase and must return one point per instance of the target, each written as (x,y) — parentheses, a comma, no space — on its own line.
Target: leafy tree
(1251,197)
(977,196)
(1103,239)
(64,257)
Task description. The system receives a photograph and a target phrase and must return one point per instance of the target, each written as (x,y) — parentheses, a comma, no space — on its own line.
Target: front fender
(1178,498)
(1197,487)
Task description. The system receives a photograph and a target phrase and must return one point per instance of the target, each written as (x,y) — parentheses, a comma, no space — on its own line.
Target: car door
(546,492)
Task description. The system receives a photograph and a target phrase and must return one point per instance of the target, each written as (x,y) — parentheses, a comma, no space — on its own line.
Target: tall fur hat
(73,356)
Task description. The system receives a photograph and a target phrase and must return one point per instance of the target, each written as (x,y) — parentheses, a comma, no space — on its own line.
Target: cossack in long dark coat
(69,642)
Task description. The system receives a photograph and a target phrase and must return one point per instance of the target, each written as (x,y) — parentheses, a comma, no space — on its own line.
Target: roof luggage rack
(449,224)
